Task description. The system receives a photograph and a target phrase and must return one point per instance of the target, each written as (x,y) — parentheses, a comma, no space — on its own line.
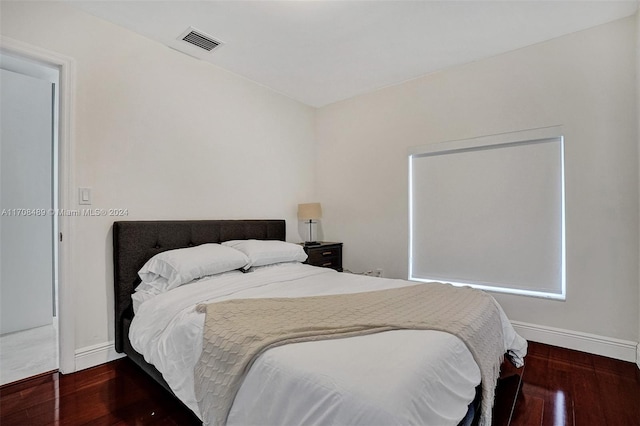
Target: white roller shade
(490,212)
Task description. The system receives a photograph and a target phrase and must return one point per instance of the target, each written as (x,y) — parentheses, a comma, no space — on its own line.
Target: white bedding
(396,377)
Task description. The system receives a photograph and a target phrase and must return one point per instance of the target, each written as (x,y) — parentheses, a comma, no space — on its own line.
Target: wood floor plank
(16,418)
(588,409)
(617,410)
(528,411)
(507,393)
(550,381)
(27,383)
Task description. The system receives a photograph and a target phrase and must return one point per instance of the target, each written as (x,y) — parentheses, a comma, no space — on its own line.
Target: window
(489,212)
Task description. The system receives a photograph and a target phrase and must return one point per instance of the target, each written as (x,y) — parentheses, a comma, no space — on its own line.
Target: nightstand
(325,255)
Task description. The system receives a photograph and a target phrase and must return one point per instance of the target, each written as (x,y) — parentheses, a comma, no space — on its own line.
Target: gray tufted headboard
(135,242)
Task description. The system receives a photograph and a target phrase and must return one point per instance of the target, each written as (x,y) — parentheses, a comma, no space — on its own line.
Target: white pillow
(267,252)
(173,268)
(158,286)
(141,296)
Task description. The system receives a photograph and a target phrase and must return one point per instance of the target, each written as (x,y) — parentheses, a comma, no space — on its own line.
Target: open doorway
(29,119)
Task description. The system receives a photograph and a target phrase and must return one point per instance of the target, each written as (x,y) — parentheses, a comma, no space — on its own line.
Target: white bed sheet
(397,377)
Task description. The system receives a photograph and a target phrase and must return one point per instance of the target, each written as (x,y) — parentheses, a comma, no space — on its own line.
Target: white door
(26,225)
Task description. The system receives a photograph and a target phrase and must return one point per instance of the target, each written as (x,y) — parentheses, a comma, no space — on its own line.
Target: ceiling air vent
(200,39)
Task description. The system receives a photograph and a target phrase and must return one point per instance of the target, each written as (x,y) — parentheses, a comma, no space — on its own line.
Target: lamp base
(311,243)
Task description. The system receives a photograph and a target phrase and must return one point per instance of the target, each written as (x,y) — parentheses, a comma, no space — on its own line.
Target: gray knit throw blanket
(237,331)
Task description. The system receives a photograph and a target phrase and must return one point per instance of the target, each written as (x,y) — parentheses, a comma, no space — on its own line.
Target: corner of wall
(638,137)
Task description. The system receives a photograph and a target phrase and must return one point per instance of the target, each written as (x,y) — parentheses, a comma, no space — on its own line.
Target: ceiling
(320,52)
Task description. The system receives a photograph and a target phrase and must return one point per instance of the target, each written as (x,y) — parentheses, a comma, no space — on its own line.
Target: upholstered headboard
(135,242)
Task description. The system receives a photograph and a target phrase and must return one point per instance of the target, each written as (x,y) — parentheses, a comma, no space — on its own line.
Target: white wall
(167,137)
(585,82)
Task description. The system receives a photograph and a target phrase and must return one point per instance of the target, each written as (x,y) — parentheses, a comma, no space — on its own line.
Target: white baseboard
(625,350)
(90,356)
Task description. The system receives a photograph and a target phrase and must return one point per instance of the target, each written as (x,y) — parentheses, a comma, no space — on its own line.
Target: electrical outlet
(374,273)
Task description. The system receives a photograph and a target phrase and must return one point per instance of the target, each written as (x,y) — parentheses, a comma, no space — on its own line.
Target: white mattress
(396,377)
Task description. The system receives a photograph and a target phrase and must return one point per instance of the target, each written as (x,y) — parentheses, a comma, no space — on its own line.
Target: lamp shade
(309,211)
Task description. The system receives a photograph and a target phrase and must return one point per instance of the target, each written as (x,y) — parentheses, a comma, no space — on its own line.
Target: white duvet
(396,377)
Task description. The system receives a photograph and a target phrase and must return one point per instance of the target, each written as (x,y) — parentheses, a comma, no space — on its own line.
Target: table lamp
(309,212)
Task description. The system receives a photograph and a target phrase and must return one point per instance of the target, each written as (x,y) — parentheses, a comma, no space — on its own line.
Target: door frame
(66,183)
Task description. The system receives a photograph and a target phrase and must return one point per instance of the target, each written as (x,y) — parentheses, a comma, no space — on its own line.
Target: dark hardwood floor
(116,393)
(559,386)
(555,387)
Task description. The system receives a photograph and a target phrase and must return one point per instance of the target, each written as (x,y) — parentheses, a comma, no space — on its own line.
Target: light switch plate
(84,196)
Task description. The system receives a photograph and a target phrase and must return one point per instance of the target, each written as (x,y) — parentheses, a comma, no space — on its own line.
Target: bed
(382,376)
